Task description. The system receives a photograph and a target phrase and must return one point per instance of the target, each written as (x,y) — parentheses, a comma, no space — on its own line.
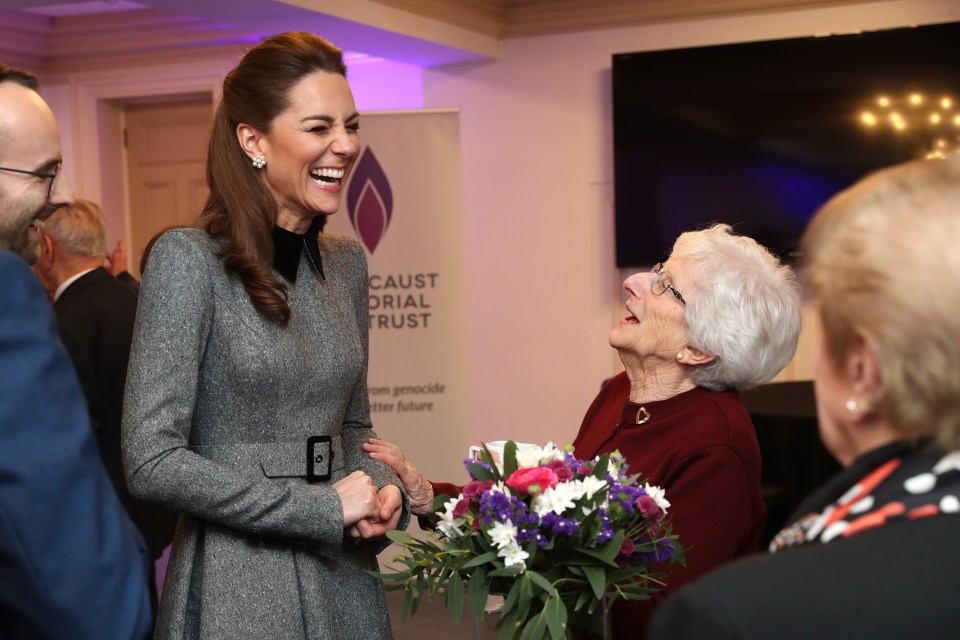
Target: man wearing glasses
(71,563)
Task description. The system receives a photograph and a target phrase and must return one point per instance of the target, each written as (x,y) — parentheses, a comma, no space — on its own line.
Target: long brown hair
(240,208)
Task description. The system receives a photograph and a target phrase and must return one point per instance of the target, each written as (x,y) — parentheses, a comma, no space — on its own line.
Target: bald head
(31,188)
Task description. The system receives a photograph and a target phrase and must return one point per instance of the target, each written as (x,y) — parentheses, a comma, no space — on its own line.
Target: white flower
(658,495)
(448,525)
(527,458)
(512,555)
(556,499)
(535,456)
(503,534)
(591,485)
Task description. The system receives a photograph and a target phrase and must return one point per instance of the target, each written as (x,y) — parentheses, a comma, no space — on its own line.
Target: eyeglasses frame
(665,281)
(52,177)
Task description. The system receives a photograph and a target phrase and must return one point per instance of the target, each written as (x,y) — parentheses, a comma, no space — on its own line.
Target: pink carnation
(648,506)
(462,507)
(562,469)
(521,479)
(475,488)
(585,470)
(627,547)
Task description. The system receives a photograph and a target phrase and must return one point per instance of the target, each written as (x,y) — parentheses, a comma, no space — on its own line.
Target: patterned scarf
(899,482)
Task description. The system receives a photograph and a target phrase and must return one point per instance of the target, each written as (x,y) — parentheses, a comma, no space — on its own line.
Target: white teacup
(495,448)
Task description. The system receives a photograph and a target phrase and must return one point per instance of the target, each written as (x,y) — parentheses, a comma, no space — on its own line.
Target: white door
(166,150)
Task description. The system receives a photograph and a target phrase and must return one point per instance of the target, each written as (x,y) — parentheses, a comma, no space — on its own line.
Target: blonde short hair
(882,260)
(79,229)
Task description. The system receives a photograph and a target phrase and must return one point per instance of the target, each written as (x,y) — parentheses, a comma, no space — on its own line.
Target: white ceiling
(423,32)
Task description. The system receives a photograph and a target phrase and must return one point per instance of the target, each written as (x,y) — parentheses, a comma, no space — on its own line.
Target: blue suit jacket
(71,563)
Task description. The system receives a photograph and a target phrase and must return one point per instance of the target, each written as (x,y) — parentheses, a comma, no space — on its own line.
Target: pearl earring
(259,161)
(852,406)
(680,356)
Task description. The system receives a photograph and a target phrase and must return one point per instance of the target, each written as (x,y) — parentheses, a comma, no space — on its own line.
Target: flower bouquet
(560,538)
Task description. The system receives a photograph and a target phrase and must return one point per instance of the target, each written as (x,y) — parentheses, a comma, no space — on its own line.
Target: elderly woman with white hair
(874,553)
(720,315)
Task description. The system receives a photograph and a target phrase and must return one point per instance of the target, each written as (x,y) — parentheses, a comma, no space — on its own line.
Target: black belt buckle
(319,458)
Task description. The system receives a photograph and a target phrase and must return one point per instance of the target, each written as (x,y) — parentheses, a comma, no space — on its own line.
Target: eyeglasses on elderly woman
(663,282)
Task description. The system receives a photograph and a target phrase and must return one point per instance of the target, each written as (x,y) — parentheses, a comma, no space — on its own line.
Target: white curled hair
(744,308)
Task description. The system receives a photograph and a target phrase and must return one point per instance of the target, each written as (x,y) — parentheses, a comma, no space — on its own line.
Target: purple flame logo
(369,200)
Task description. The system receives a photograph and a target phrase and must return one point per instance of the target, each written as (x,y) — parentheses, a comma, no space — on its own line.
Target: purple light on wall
(369,200)
(380,85)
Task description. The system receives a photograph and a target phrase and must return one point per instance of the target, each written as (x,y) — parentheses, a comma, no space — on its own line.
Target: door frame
(93,136)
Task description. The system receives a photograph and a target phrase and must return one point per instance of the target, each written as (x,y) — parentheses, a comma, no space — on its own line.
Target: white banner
(403,203)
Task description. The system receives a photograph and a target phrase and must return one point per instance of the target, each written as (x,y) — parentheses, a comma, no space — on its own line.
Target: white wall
(536,131)
(542,289)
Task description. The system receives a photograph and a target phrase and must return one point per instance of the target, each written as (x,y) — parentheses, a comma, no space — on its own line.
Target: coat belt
(273,459)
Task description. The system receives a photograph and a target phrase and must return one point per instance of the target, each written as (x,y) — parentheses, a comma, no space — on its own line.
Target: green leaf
(480,473)
(512,596)
(415,602)
(504,571)
(582,600)
(407,605)
(490,556)
(597,580)
(455,597)
(508,625)
(509,458)
(535,629)
(437,505)
(525,599)
(608,552)
(542,582)
(400,537)
(555,613)
(478,591)
(600,470)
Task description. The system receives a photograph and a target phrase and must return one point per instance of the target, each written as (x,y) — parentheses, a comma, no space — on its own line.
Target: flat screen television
(759,135)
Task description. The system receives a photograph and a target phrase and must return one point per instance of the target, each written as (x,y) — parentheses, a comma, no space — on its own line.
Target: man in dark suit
(96,311)
(72,565)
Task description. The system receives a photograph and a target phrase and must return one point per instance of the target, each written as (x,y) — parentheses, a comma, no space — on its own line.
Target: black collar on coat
(288,247)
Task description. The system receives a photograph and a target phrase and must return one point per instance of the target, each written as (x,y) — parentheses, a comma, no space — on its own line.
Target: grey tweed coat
(218,406)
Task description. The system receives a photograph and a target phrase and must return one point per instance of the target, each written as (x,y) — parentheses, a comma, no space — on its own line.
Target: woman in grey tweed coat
(250,339)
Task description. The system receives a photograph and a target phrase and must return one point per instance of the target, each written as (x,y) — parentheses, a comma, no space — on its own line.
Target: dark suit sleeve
(691,615)
(79,334)
(71,563)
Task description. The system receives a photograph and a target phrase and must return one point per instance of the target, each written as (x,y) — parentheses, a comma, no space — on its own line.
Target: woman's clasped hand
(368,512)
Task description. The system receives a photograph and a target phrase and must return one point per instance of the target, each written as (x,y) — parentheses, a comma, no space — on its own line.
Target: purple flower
(662,551)
(559,525)
(500,507)
(606,531)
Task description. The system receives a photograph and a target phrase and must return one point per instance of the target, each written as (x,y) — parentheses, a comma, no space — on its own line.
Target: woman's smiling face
(311,147)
